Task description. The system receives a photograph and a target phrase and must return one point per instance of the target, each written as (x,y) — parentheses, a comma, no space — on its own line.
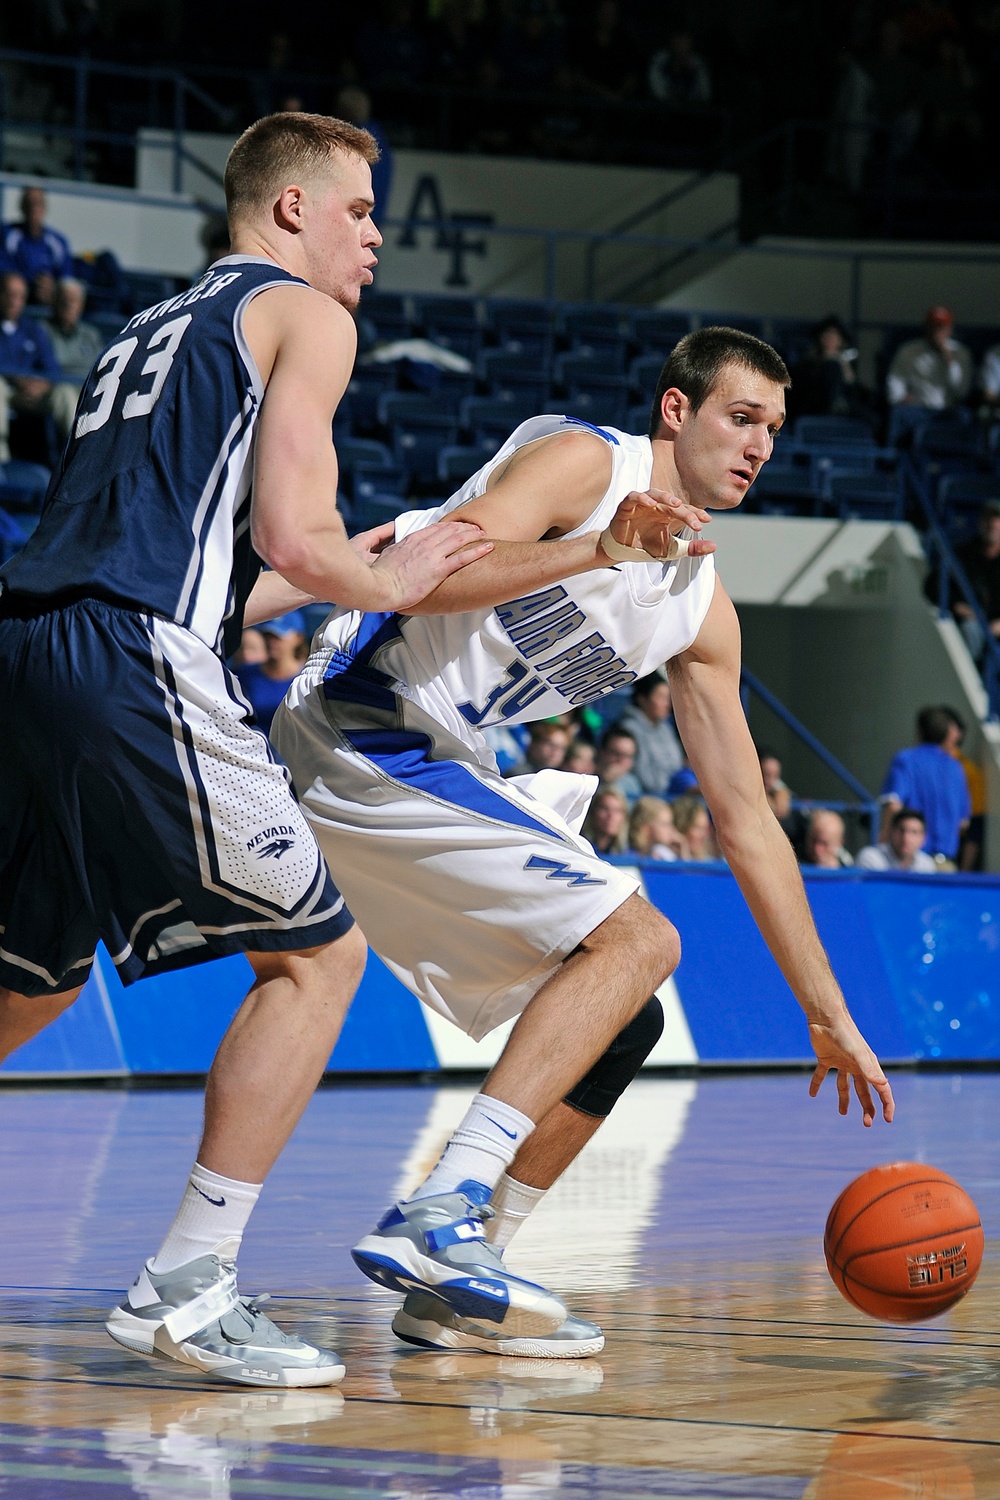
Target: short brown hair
(700,358)
(274,151)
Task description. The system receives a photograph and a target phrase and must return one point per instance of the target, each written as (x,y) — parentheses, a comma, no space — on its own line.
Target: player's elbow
(286,552)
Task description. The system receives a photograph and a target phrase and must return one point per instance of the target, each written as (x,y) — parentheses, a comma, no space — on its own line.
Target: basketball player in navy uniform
(139,806)
(478,892)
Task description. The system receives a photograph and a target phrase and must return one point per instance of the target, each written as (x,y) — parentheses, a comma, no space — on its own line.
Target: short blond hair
(276,150)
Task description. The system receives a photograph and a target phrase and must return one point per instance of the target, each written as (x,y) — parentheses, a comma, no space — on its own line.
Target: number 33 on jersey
(150,508)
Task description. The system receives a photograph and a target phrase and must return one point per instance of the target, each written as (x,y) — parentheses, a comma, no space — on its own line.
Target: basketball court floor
(691,1230)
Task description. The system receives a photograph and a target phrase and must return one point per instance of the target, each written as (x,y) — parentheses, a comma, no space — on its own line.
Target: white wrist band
(679,547)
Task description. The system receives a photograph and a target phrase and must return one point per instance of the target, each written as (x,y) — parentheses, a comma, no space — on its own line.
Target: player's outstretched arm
(545,490)
(705,684)
(304,345)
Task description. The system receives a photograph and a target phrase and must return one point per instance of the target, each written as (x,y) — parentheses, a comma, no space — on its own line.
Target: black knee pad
(598,1093)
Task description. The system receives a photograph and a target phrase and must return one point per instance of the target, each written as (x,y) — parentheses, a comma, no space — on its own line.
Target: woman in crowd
(695,827)
(651,829)
(606,823)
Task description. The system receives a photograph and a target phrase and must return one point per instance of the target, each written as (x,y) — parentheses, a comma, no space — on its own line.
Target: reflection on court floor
(691,1229)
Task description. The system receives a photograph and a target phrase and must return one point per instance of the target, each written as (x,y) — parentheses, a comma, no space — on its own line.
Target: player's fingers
(697,547)
(843,1091)
(883,1088)
(468,553)
(818,1075)
(864,1094)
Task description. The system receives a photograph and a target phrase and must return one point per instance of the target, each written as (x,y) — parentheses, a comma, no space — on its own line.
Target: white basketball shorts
(472,889)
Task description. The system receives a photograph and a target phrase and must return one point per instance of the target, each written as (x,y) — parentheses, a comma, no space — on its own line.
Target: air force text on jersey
(581,670)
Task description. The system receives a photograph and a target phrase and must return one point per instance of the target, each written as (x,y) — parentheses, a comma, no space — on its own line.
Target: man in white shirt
(903,849)
(933,372)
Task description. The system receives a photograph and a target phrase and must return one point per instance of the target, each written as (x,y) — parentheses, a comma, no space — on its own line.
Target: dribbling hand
(413,568)
(651,519)
(840,1048)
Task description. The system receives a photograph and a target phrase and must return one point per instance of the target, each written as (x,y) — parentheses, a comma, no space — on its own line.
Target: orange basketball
(903,1242)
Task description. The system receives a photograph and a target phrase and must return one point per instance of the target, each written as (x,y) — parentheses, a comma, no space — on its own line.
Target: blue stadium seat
(458,463)
(108,324)
(599,325)
(600,409)
(387,478)
(390,313)
(637,419)
(393,407)
(374,510)
(786,488)
(867,497)
(353,451)
(523,374)
(495,417)
(416,445)
(520,321)
(577,368)
(656,330)
(644,372)
(840,432)
(140,289)
(23,485)
(367,384)
(960,499)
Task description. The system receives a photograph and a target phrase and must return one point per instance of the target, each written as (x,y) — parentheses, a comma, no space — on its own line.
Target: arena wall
(916,955)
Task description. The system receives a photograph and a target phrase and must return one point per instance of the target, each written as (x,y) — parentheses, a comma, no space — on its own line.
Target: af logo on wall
(453,234)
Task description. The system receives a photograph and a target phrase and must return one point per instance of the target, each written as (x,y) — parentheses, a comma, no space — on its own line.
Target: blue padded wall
(918,958)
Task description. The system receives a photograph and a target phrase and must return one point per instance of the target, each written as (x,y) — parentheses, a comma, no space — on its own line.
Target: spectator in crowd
(30,378)
(252,649)
(615,762)
(682,783)
(659,752)
(354,104)
(545,750)
(76,344)
(266,683)
(980,558)
(695,828)
(824,840)
(779,798)
(39,253)
(825,381)
(932,373)
(970,853)
(956,125)
(678,75)
(602,52)
(852,120)
(652,832)
(606,823)
(926,777)
(903,846)
(581,758)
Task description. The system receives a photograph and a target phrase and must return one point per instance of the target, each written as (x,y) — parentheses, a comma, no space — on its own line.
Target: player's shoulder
(292,308)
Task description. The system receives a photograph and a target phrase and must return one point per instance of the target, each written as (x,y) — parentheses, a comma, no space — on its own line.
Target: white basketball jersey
(552,649)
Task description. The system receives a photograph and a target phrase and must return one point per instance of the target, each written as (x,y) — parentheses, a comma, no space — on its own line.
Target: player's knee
(651,940)
(603,1086)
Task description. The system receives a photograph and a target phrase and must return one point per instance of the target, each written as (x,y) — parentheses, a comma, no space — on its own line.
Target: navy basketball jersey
(150,507)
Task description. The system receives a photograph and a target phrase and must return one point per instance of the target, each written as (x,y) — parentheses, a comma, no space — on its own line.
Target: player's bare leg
(24,1016)
(294,1011)
(555,1143)
(184,1305)
(437,1240)
(583,1007)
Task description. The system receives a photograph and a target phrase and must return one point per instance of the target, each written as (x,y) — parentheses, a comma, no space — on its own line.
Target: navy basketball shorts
(138,807)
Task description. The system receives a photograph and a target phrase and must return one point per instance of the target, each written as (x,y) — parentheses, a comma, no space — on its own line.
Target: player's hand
(650,519)
(371,544)
(413,568)
(840,1048)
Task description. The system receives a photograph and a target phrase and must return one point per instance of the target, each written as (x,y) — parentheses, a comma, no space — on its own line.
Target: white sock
(210,1220)
(512,1201)
(484,1144)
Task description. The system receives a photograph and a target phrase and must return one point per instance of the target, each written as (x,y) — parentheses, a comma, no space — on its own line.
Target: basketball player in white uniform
(477,892)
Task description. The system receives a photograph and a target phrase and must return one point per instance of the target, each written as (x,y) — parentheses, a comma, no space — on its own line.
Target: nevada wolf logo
(276,848)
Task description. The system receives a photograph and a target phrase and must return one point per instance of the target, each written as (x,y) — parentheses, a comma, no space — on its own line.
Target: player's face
(342,248)
(719,449)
